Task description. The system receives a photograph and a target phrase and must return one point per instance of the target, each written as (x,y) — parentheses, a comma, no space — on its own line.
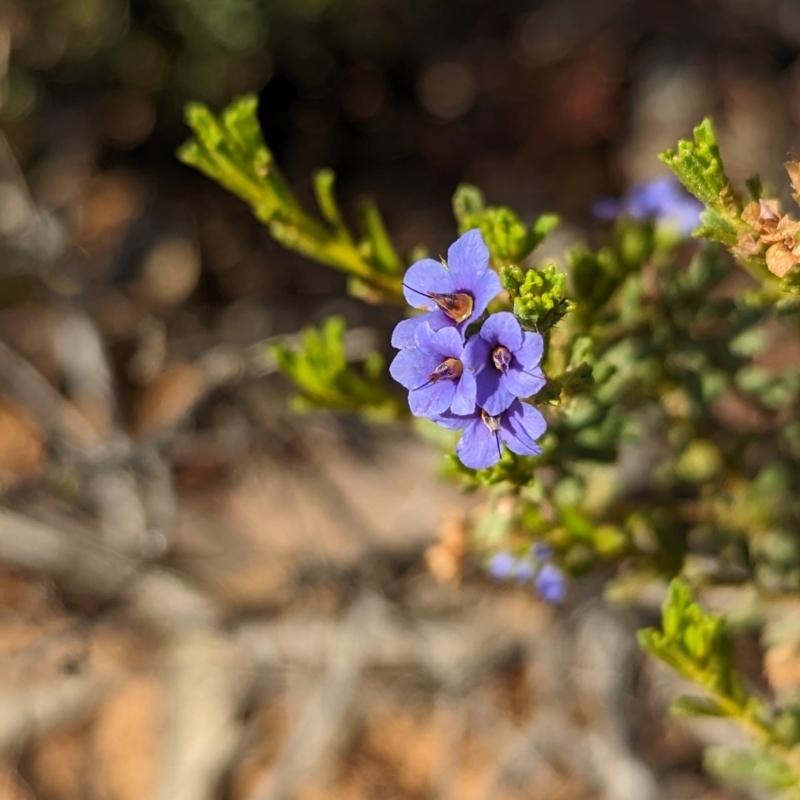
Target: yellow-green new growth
(231,150)
(537,295)
(319,367)
(510,241)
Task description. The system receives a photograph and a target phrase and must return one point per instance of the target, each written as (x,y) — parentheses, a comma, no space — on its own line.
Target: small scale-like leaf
(382,250)
(323,181)
(468,202)
(686,706)
(542,228)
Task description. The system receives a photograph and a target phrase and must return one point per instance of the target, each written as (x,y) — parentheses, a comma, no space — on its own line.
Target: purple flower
(541,551)
(505,360)
(455,294)
(504,566)
(662,199)
(433,373)
(548,580)
(481,444)
(551,584)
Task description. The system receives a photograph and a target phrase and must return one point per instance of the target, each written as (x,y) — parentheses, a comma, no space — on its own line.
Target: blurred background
(205,595)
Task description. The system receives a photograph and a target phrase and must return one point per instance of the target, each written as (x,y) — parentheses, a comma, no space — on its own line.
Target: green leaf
(698,165)
(754,187)
(595,277)
(323,182)
(381,250)
(319,367)
(686,706)
(746,768)
(542,228)
(467,203)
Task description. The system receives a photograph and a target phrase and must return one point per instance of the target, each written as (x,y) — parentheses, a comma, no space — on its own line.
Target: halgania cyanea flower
(481,444)
(433,373)
(505,360)
(550,584)
(455,293)
(548,580)
(505,566)
(662,199)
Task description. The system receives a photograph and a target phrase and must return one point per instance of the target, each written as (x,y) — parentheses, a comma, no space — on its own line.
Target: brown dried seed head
(780,259)
(763,215)
(747,245)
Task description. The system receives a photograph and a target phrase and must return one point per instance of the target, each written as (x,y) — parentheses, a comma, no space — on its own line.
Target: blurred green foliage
(205,49)
(319,368)
(698,647)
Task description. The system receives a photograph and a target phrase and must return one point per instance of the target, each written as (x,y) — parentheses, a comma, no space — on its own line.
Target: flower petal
(477,354)
(550,584)
(454,422)
(490,394)
(468,259)
(530,353)
(502,328)
(521,383)
(404,333)
(433,399)
(426,276)
(484,290)
(445,342)
(464,398)
(478,447)
(502,565)
(411,368)
(520,426)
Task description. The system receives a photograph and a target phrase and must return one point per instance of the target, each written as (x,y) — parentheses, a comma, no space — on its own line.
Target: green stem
(305,235)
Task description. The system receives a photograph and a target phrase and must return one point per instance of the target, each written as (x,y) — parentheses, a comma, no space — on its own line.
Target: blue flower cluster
(662,199)
(471,385)
(547,578)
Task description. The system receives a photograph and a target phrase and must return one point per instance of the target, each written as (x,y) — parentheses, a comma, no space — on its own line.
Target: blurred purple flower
(661,199)
(433,373)
(550,583)
(481,444)
(541,551)
(548,580)
(505,360)
(455,294)
(504,566)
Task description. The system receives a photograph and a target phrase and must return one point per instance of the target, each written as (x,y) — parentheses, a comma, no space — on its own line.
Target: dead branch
(206,679)
(63,424)
(455,652)
(64,551)
(321,722)
(120,506)
(29,711)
